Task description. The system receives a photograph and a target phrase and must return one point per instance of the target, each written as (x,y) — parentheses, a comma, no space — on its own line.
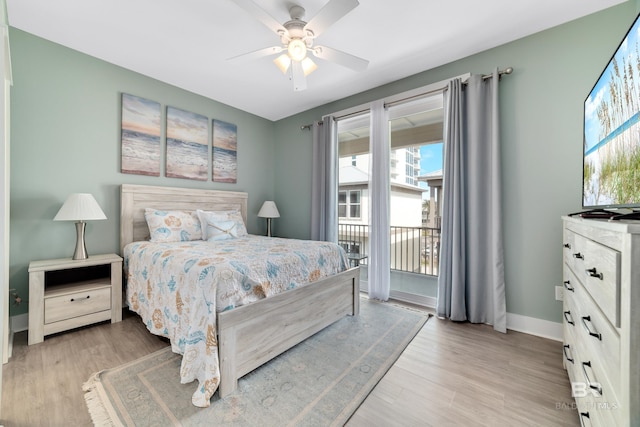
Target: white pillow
(217,216)
(221,230)
(172,226)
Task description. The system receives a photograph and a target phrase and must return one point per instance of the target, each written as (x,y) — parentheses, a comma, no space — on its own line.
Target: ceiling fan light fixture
(297,38)
(308,66)
(297,50)
(283,62)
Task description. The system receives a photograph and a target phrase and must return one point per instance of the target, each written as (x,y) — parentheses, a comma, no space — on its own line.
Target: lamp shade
(80,207)
(269,210)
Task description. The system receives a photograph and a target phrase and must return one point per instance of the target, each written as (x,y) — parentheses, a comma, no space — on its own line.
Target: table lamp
(80,207)
(269,210)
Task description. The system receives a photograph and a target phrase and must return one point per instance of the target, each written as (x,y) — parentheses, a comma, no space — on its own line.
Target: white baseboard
(534,326)
(9,348)
(19,323)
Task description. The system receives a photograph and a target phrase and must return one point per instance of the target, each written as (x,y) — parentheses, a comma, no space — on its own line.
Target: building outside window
(349,204)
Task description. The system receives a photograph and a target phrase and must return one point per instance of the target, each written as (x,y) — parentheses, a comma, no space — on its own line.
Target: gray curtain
(324,181)
(471,281)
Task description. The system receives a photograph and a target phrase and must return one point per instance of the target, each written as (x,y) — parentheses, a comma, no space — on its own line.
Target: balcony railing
(413,249)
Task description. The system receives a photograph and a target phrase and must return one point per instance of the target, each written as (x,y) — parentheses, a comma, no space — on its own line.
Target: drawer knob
(592,385)
(591,331)
(593,272)
(567,286)
(578,255)
(568,317)
(566,356)
(81,299)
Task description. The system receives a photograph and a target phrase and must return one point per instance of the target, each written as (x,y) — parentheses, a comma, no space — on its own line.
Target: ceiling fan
(297,37)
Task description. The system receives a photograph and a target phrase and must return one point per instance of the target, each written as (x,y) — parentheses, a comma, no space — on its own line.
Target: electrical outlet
(559,293)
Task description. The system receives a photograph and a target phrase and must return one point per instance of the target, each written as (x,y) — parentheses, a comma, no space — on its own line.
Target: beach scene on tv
(612,130)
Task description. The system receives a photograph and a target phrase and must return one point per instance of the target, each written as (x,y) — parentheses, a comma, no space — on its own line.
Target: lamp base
(268,227)
(81,249)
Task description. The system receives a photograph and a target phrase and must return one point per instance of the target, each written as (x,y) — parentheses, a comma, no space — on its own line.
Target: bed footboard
(251,335)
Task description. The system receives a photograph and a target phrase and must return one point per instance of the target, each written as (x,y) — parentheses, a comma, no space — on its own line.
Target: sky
(187,126)
(140,115)
(430,160)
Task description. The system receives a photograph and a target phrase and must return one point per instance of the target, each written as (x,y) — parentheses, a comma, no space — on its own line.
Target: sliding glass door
(415,185)
(415,182)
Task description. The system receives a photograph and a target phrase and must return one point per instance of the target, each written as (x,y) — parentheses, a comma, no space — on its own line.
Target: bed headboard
(135,198)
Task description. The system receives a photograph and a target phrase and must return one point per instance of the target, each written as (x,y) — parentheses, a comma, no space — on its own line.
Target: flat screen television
(611,171)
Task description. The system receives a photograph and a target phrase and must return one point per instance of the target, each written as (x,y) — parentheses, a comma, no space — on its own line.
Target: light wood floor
(451,374)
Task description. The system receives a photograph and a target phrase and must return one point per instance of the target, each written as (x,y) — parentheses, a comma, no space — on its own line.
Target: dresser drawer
(597,335)
(593,413)
(597,267)
(569,315)
(592,409)
(74,304)
(591,383)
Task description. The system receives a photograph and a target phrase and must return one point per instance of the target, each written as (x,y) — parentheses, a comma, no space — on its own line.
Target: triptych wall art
(187,142)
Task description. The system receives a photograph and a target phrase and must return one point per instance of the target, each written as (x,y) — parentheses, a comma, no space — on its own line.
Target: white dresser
(601,325)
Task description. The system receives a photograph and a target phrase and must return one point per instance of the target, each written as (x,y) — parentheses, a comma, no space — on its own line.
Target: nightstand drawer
(66,306)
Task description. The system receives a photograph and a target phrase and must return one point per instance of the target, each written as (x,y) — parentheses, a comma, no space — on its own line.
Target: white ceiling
(186,43)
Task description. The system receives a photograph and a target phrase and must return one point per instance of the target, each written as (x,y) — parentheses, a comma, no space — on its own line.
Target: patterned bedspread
(177,289)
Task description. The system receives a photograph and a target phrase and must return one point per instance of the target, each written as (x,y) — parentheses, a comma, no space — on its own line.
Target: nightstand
(66,294)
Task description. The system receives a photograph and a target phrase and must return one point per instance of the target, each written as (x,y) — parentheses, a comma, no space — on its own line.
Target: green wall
(541,113)
(65,138)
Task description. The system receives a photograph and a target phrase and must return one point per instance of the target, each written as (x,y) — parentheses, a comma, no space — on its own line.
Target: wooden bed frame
(246,340)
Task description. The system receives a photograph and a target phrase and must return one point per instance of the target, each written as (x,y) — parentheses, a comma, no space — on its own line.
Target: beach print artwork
(225,152)
(140,136)
(187,145)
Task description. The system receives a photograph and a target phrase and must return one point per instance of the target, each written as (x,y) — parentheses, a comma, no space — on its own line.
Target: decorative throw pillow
(172,226)
(214,216)
(240,226)
(221,230)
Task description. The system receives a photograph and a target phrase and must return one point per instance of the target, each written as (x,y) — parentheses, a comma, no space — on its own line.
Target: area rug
(319,382)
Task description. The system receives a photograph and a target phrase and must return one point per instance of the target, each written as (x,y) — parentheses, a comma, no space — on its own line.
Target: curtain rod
(344,116)
(507,70)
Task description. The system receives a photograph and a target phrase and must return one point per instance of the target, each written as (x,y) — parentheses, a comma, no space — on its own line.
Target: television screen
(611,173)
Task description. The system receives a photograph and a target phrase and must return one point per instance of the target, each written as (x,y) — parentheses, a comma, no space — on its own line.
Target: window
(409,173)
(349,204)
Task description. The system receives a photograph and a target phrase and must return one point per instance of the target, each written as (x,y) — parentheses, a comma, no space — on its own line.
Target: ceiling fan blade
(298,77)
(257,54)
(341,58)
(261,15)
(329,14)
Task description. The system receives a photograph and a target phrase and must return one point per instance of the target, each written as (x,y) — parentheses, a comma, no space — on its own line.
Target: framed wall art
(187,145)
(225,152)
(140,137)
